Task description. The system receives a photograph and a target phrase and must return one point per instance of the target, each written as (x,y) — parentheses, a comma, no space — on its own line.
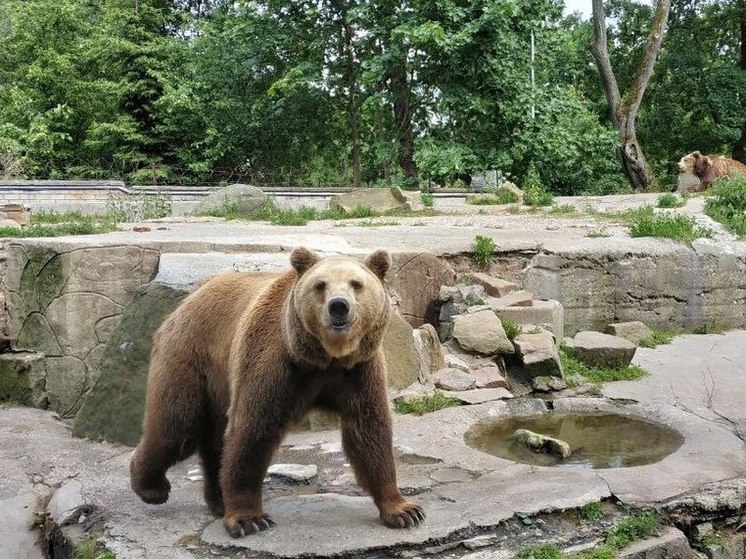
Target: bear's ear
(302,259)
(696,154)
(379,262)
(701,164)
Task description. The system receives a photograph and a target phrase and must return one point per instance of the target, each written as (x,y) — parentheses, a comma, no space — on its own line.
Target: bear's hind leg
(210,451)
(171,430)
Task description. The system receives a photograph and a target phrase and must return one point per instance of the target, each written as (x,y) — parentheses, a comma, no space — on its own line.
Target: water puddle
(595,440)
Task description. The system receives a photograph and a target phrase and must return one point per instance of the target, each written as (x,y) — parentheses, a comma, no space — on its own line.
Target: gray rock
(548,384)
(482,395)
(538,353)
(547,314)
(514,299)
(294,472)
(417,278)
(378,199)
(454,380)
(471,294)
(494,287)
(244,198)
(400,353)
(482,333)
(67,503)
(23,378)
(9,224)
(688,183)
(670,544)
(602,350)
(489,377)
(455,362)
(634,331)
(541,443)
(431,354)
(16,515)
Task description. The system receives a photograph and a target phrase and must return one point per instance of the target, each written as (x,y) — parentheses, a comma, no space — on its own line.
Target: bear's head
(341,302)
(695,163)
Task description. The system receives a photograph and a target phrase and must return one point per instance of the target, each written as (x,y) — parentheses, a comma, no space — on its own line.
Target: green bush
(427,199)
(499,196)
(728,204)
(484,248)
(534,193)
(669,200)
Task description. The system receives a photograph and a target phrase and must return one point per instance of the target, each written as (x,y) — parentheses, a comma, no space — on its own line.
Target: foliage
(562,209)
(669,200)
(597,375)
(728,204)
(53,224)
(658,337)
(426,404)
(427,199)
(484,248)
(511,328)
(710,540)
(670,226)
(591,511)
(539,552)
(90,549)
(534,193)
(628,530)
(500,196)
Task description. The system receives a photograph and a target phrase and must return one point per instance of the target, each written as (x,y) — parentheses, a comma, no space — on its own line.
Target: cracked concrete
(465,492)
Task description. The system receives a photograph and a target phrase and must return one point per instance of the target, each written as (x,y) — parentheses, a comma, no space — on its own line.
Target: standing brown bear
(707,168)
(246,356)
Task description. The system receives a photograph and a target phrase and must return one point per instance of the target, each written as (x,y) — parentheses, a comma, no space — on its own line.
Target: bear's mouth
(339,326)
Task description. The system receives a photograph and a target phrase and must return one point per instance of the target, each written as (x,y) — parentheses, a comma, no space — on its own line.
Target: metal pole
(533,76)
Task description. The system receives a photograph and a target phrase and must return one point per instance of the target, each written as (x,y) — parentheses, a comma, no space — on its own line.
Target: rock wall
(64,303)
(664,284)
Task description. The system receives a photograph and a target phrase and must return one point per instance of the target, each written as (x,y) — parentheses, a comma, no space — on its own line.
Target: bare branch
(601,54)
(633,98)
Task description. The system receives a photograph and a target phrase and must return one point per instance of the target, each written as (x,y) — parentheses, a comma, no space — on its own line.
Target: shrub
(427,199)
(728,204)
(484,248)
(669,200)
(534,193)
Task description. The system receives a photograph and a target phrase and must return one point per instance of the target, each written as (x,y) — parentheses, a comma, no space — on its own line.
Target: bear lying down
(246,356)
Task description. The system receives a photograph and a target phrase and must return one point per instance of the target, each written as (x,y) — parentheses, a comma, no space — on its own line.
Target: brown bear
(707,168)
(247,355)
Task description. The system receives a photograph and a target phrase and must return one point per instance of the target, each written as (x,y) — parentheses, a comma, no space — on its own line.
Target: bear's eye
(357,285)
(320,286)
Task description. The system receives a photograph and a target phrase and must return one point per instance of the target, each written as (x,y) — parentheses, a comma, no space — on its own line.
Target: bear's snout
(339,310)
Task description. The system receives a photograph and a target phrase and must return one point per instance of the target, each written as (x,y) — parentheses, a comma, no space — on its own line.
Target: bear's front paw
(405,515)
(153,492)
(239,525)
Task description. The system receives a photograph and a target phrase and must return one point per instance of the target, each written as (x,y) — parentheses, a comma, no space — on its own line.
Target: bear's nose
(339,307)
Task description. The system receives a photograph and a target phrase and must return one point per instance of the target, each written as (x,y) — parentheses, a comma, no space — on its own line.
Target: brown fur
(246,356)
(708,168)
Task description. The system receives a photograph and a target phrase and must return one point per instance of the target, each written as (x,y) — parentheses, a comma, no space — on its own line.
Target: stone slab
(481,395)
(671,543)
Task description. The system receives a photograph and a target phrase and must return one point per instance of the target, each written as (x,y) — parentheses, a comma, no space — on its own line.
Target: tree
(739,147)
(624,109)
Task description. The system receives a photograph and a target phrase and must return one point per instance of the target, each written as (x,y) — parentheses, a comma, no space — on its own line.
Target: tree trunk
(399,86)
(624,109)
(353,104)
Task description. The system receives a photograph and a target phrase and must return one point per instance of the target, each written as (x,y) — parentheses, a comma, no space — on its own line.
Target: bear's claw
(239,527)
(408,515)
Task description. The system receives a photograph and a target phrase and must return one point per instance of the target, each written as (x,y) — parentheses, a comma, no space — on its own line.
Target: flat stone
(634,331)
(670,544)
(547,314)
(10,224)
(494,287)
(450,475)
(67,503)
(16,515)
(482,395)
(514,299)
(489,377)
(294,472)
(482,333)
(538,353)
(602,350)
(455,362)
(454,380)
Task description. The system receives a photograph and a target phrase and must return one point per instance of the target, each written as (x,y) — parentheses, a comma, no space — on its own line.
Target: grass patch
(591,512)
(710,540)
(54,224)
(511,328)
(498,197)
(658,337)
(670,200)
(628,530)
(728,204)
(426,404)
(539,552)
(677,227)
(427,199)
(89,549)
(563,209)
(484,248)
(597,375)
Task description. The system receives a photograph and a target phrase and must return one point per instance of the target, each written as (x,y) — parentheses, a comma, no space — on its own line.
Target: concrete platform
(463,490)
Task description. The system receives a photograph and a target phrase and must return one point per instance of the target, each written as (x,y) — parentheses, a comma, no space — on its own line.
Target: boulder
(541,443)
(481,332)
(602,350)
(243,198)
(539,355)
(114,407)
(417,278)
(634,331)
(17,213)
(431,354)
(688,182)
(378,199)
(494,287)
(454,380)
(400,354)
(9,224)
(545,313)
(489,377)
